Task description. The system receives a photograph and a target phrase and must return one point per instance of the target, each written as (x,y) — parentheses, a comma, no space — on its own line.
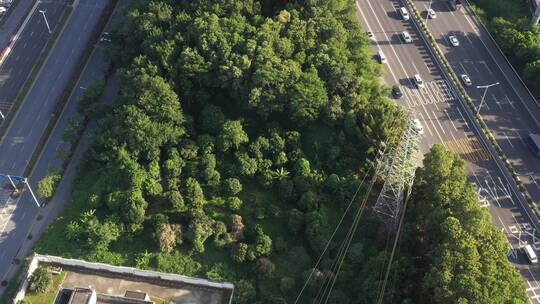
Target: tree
(308,96)
(211,119)
(177,200)
(234,203)
(194,194)
(265,268)
(232,186)
(47,185)
(167,236)
(232,136)
(40,280)
(286,284)
(237,227)
(244,292)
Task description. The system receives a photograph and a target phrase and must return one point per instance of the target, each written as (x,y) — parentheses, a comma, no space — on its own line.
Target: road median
(471,110)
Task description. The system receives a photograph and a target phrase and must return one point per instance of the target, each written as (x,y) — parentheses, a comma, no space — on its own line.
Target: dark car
(396,92)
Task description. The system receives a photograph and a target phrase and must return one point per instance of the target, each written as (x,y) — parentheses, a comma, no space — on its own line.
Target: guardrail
(484,133)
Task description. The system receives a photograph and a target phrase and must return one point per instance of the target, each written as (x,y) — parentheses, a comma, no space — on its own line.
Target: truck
(533,140)
(455,5)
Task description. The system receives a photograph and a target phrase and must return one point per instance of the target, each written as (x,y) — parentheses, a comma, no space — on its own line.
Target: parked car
(466,80)
(453,40)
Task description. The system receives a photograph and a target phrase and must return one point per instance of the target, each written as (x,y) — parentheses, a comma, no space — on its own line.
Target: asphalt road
(23,135)
(445,121)
(17,66)
(19,10)
(509,111)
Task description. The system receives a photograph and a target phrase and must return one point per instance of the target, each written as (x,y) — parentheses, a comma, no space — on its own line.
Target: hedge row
(467,98)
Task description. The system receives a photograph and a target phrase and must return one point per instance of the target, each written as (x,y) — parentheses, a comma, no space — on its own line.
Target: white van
(404,13)
(531,255)
(381,56)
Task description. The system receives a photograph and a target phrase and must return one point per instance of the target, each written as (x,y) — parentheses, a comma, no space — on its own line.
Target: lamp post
(46,22)
(483,96)
(2,116)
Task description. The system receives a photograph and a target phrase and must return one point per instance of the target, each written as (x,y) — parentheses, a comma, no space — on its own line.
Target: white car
(371,36)
(418,126)
(406,37)
(453,40)
(466,80)
(418,81)
(431,14)
(382,58)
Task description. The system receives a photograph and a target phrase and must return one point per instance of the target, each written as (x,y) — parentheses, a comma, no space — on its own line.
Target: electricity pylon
(397,170)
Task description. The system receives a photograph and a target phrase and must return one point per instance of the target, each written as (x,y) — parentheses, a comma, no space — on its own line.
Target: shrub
(40,280)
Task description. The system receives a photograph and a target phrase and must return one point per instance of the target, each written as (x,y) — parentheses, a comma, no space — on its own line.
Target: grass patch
(48,296)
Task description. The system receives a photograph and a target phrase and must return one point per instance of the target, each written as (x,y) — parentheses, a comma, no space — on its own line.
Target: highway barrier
(457,83)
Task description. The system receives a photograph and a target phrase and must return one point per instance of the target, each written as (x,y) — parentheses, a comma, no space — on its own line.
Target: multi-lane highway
(445,120)
(21,140)
(16,67)
(509,111)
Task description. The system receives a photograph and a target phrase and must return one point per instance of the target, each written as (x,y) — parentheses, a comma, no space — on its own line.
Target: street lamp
(483,96)
(2,116)
(46,22)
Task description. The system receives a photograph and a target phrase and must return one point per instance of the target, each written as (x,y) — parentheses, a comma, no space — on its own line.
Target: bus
(531,255)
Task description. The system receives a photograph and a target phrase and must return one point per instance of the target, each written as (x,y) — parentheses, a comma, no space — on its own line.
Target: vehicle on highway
(371,36)
(406,37)
(3,10)
(531,255)
(466,80)
(418,126)
(404,13)
(431,13)
(418,81)
(382,58)
(533,141)
(453,40)
(396,92)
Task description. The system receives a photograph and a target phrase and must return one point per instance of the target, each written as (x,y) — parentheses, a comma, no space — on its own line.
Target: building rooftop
(95,283)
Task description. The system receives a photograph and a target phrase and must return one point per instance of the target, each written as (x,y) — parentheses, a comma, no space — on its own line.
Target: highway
(509,111)
(445,121)
(28,126)
(17,66)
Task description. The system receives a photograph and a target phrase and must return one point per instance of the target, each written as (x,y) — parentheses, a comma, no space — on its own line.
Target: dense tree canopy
(242,130)
(452,251)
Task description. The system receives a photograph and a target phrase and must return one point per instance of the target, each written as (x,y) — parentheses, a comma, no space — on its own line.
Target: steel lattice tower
(397,170)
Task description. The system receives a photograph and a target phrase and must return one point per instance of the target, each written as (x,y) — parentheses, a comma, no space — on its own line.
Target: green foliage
(47,185)
(232,186)
(40,280)
(455,239)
